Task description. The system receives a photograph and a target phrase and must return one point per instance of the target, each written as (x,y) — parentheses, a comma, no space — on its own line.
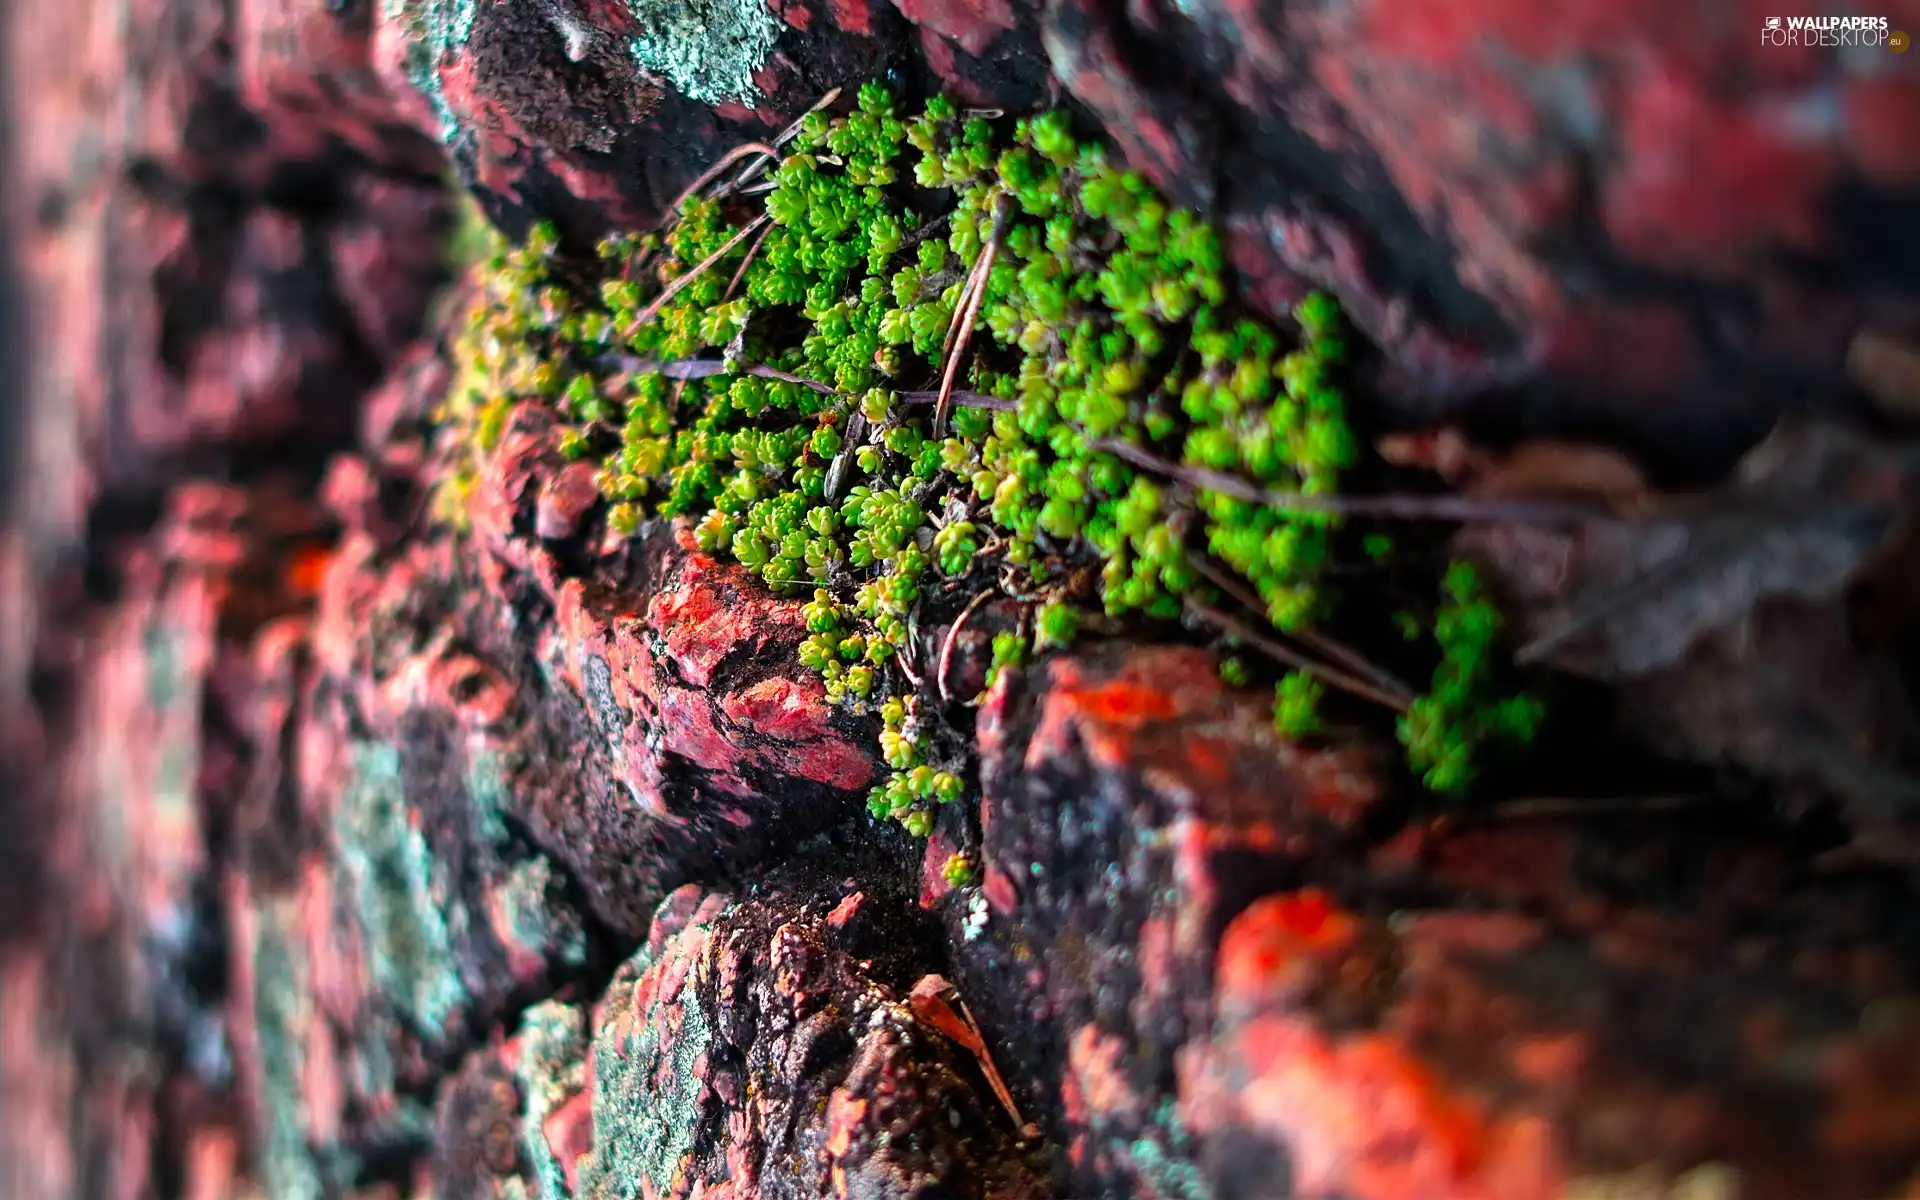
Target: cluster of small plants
(1108,338)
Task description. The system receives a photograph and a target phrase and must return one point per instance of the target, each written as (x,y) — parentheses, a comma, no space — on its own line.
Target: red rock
(974,24)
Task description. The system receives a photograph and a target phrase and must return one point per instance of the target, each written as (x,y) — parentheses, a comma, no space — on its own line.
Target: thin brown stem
(1328,647)
(679,285)
(788,134)
(976,296)
(744,264)
(960,307)
(960,399)
(900,660)
(705,368)
(1405,507)
(1288,656)
(924,232)
(1564,808)
(719,168)
(739,185)
(947,643)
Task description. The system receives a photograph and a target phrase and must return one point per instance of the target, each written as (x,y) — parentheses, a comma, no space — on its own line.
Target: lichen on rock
(402,907)
(709,49)
(552,1069)
(433,31)
(282,1008)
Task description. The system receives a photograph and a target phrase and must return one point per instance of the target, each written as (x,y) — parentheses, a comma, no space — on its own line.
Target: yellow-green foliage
(1106,319)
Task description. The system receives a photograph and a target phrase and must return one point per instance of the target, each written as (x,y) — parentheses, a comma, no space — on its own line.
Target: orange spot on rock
(1278,937)
(843,1119)
(307,569)
(844,911)
(1124,703)
(568,1130)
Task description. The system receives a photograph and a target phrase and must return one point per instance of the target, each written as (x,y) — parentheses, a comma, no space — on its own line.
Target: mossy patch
(1127,444)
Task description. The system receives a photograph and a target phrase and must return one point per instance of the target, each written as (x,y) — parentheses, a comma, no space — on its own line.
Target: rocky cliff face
(364,857)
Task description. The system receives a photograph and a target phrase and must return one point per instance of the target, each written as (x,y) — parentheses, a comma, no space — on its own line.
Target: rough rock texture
(1503,198)
(360,858)
(222,234)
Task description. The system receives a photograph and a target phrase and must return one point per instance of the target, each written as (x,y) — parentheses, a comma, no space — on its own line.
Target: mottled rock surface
(1503,199)
(349,855)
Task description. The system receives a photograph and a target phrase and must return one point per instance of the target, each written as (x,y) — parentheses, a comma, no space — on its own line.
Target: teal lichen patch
(551,1068)
(539,915)
(648,1094)
(708,49)
(282,1008)
(391,876)
(432,32)
(1172,1172)
(533,896)
(488,797)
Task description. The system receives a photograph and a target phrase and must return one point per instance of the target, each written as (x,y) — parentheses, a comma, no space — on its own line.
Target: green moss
(399,901)
(1447,728)
(1105,320)
(708,49)
(1296,710)
(957,870)
(551,1068)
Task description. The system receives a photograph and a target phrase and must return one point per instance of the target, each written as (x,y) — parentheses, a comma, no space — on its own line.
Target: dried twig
(1351,659)
(842,462)
(705,368)
(1563,808)
(1407,507)
(971,302)
(744,264)
(719,168)
(900,660)
(1293,658)
(924,232)
(679,285)
(960,399)
(947,643)
(960,307)
(793,130)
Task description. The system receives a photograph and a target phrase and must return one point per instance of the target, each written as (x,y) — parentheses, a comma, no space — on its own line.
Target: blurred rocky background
(340,856)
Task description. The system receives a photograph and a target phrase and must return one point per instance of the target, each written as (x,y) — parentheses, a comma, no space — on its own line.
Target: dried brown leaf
(1794,699)
(1542,470)
(1808,511)
(1566,470)
(1725,619)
